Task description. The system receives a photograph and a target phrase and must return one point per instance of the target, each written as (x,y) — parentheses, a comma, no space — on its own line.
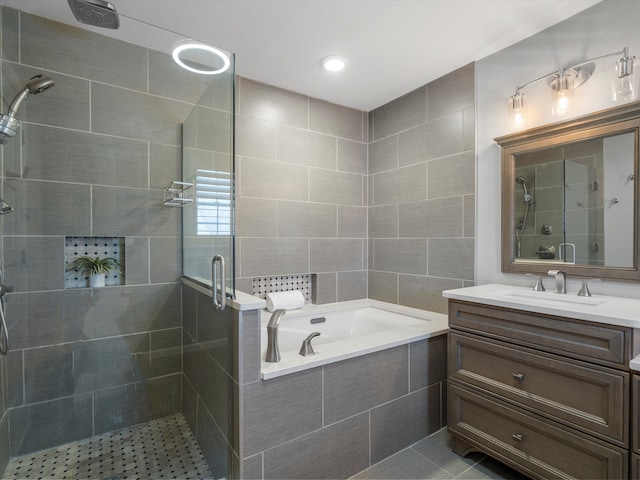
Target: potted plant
(96,268)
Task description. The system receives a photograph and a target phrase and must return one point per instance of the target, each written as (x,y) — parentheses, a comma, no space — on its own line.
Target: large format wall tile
(272,420)
(260,100)
(55,46)
(34,263)
(306,148)
(330,186)
(132,211)
(273,256)
(303,219)
(401,185)
(403,422)
(335,255)
(47,208)
(275,180)
(65,105)
(79,157)
(401,255)
(43,425)
(400,114)
(336,120)
(431,218)
(335,452)
(150,118)
(355,385)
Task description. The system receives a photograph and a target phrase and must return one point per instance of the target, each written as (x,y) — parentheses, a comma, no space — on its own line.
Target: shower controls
(547,230)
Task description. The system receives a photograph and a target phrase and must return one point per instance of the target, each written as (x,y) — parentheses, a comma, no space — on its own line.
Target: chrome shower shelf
(178,194)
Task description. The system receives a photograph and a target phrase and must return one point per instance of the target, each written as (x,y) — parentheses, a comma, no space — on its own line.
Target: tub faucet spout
(307,349)
(273,352)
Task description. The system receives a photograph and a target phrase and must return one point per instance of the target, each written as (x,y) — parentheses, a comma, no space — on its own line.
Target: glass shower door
(208,170)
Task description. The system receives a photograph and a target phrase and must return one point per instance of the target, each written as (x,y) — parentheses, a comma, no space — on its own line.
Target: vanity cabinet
(547,395)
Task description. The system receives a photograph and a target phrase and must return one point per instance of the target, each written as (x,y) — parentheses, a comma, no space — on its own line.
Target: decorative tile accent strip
(102,247)
(163,448)
(264,285)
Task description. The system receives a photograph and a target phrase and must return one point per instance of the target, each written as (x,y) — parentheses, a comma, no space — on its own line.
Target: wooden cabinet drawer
(588,397)
(604,344)
(536,447)
(635,466)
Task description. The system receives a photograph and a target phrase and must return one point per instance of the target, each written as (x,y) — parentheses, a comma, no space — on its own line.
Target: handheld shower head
(9,124)
(522,181)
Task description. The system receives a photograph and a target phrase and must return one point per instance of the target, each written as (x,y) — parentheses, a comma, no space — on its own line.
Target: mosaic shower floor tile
(163,448)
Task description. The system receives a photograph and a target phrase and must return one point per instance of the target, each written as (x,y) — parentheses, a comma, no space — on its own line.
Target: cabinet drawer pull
(518,376)
(517,437)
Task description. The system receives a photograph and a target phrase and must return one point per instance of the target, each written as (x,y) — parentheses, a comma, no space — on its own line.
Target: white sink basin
(548,298)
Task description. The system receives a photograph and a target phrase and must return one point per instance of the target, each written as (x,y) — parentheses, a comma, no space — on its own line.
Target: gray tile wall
(422,190)
(91,159)
(336,420)
(302,190)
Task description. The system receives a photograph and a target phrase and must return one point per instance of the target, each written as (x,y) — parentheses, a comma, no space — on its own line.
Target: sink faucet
(273,352)
(561,280)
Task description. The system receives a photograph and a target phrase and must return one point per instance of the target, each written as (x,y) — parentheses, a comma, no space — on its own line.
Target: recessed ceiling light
(333,63)
(201,58)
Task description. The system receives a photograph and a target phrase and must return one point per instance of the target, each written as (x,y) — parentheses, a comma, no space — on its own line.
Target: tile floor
(432,458)
(166,448)
(163,448)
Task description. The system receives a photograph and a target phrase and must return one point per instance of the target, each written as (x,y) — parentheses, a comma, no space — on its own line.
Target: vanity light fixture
(200,58)
(333,63)
(562,83)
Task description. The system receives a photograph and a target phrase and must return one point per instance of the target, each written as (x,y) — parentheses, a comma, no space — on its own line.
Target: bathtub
(349,329)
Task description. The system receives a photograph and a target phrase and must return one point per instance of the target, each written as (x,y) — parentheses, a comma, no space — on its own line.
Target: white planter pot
(97,280)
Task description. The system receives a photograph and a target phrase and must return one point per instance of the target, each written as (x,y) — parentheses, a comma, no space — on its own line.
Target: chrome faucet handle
(539,286)
(306,349)
(561,280)
(584,290)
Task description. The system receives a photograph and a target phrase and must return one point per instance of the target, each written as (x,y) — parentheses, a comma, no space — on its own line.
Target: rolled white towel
(285,300)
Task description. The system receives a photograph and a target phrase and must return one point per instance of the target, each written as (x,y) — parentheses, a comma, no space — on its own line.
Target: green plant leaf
(91,266)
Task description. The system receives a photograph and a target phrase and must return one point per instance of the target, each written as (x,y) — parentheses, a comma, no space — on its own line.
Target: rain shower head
(9,124)
(98,13)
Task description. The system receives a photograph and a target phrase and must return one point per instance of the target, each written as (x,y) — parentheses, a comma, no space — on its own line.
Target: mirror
(570,197)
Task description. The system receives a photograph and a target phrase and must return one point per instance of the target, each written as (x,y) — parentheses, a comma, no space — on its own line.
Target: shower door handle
(219,302)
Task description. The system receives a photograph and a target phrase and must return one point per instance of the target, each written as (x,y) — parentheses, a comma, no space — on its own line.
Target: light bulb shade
(625,80)
(562,92)
(517,110)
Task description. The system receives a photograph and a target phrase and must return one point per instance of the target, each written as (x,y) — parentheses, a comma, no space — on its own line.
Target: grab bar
(222,302)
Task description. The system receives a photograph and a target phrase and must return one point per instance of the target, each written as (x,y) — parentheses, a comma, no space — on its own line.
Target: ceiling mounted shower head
(98,13)
(9,124)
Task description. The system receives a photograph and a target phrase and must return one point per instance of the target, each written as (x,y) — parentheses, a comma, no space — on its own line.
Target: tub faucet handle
(584,291)
(539,286)
(307,349)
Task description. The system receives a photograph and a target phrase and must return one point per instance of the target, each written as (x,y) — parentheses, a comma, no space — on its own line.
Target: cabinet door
(538,448)
(588,397)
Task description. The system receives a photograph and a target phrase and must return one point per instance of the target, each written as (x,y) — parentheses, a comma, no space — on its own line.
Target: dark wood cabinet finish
(536,447)
(587,397)
(601,344)
(549,396)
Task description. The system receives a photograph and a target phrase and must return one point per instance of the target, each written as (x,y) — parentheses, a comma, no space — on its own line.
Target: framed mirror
(570,198)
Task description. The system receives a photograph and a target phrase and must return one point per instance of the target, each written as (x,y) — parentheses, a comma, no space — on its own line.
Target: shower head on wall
(98,13)
(9,124)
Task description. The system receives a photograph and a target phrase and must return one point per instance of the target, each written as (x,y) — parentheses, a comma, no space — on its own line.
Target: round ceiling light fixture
(201,58)
(333,63)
